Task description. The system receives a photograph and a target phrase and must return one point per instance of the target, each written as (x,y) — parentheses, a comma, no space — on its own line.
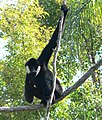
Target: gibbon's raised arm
(48,50)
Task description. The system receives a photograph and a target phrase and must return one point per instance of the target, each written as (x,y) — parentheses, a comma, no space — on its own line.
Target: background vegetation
(27,27)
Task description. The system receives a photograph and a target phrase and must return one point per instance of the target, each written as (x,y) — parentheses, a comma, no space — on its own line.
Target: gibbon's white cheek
(38,70)
(27,70)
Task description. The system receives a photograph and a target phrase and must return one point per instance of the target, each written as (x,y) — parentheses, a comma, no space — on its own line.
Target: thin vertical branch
(54,62)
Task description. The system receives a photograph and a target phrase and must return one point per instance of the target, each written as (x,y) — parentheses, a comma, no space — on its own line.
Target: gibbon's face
(32,67)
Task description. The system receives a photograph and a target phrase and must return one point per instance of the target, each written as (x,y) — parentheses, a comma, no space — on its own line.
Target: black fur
(41,85)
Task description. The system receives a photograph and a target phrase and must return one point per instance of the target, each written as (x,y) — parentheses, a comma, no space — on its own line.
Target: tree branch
(71,89)
(68,91)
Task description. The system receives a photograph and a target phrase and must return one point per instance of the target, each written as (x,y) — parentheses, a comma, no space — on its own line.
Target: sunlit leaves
(27,27)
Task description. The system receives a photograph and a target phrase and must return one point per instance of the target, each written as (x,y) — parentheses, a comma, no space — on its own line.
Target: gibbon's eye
(27,70)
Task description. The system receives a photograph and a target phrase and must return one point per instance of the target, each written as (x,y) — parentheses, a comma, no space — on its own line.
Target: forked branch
(65,93)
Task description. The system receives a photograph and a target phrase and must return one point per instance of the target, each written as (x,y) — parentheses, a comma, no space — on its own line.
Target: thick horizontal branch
(65,93)
(21,108)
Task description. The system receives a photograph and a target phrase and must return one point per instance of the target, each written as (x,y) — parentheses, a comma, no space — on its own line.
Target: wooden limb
(72,88)
(68,91)
(54,62)
(21,108)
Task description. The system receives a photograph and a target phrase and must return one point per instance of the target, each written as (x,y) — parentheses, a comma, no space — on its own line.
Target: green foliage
(82,39)
(27,27)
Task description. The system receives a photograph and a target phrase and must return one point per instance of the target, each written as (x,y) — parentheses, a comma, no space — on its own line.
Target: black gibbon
(39,79)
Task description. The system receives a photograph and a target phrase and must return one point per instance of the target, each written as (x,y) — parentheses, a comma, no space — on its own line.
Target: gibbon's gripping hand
(64,9)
